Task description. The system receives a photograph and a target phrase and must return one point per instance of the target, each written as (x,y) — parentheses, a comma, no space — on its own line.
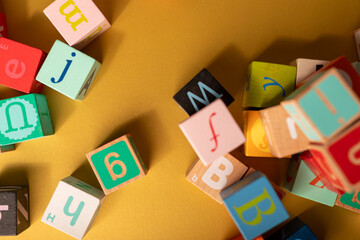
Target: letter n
(24,116)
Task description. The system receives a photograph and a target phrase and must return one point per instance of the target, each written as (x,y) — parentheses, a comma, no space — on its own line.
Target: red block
(3,27)
(19,65)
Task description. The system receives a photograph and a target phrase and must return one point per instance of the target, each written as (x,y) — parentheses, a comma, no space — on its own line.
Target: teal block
(254,205)
(24,118)
(267,84)
(68,71)
(301,181)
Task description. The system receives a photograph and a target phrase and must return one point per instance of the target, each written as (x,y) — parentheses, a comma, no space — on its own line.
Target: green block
(24,118)
(301,181)
(68,71)
(7,148)
(267,84)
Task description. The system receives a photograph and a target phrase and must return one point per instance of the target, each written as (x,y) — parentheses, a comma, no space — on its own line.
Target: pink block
(212,132)
(78,21)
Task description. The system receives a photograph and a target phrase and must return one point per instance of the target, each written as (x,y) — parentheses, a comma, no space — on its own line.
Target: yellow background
(152,49)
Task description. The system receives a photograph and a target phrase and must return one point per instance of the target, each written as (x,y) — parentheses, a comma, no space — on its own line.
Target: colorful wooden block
(73,207)
(19,65)
(217,176)
(256,144)
(212,132)
(301,181)
(78,21)
(323,106)
(357,41)
(68,71)
(283,135)
(342,157)
(200,92)
(267,84)
(7,148)
(350,201)
(254,205)
(240,237)
(306,67)
(14,210)
(117,163)
(3,26)
(294,230)
(24,118)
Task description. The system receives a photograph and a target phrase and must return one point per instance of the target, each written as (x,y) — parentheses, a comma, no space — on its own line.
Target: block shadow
(111,9)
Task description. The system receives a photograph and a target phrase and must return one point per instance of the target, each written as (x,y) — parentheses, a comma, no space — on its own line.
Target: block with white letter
(68,71)
(306,67)
(217,176)
(73,207)
(78,21)
(14,210)
(284,136)
(324,106)
(212,132)
(254,205)
(200,92)
(117,163)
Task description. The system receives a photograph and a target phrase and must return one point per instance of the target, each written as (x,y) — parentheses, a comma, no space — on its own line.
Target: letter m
(205,99)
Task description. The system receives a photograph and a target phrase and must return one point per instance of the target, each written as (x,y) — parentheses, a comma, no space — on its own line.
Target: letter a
(253,203)
(75,215)
(110,166)
(214,170)
(72,13)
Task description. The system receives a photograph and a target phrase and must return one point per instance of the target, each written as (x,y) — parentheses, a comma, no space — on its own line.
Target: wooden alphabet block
(350,201)
(267,84)
(254,205)
(3,26)
(14,210)
(7,148)
(73,207)
(212,132)
(306,67)
(117,163)
(323,106)
(19,65)
(357,41)
(293,230)
(341,155)
(217,176)
(78,21)
(283,135)
(200,92)
(24,118)
(68,71)
(256,144)
(301,181)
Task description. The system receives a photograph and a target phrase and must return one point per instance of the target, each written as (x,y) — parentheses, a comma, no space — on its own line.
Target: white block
(305,67)
(73,207)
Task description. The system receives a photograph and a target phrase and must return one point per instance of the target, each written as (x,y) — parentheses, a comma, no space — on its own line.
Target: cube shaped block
(217,176)
(14,210)
(78,21)
(256,144)
(212,132)
(3,26)
(254,205)
(200,92)
(73,207)
(341,157)
(284,137)
(267,84)
(323,106)
(350,201)
(24,118)
(306,67)
(301,181)
(19,65)
(117,163)
(294,230)
(7,148)
(68,71)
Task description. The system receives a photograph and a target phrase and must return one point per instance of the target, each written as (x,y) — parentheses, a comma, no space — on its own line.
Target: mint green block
(300,181)
(267,84)
(24,118)
(68,71)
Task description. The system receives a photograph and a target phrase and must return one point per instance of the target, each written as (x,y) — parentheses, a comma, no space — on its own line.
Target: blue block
(254,205)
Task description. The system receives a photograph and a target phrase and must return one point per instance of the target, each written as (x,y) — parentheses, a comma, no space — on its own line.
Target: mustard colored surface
(153,49)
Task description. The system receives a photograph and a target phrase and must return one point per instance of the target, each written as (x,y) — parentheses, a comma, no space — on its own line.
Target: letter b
(110,166)
(221,174)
